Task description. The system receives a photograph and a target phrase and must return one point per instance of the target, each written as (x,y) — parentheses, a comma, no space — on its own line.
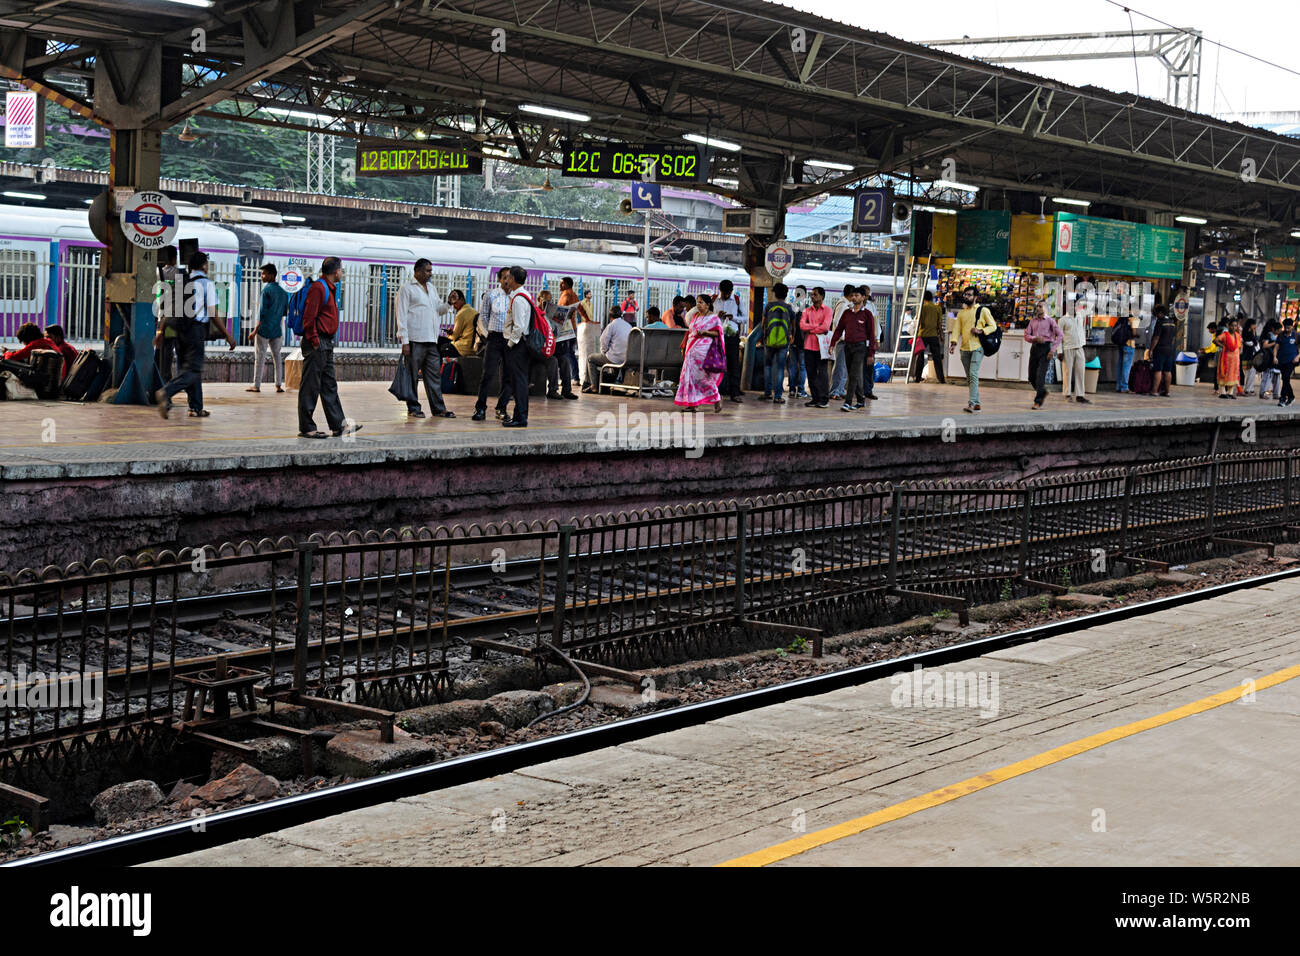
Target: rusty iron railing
(364,623)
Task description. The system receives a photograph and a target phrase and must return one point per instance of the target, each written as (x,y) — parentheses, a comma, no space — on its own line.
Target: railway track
(254,820)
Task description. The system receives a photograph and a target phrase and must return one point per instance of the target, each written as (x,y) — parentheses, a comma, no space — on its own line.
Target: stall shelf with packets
(1000,288)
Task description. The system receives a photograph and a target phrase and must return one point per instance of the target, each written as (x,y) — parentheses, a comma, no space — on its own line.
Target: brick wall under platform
(81,518)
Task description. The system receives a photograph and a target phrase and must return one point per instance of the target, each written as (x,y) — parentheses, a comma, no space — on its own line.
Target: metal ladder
(915,280)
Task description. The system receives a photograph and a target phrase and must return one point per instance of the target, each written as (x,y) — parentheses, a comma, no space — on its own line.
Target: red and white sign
(291,280)
(22,119)
(1065,237)
(149,220)
(779,260)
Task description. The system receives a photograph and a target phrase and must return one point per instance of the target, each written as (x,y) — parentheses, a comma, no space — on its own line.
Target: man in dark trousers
(518,322)
(320,323)
(929,329)
(493,321)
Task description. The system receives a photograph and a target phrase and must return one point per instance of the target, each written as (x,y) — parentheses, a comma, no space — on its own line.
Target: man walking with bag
(420,314)
(320,324)
(972,319)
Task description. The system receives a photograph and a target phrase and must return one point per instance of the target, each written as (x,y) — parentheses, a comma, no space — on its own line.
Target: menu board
(984,237)
(1161,252)
(1116,247)
(1090,244)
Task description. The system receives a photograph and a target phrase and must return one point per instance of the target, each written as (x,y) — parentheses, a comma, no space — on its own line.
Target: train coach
(49,270)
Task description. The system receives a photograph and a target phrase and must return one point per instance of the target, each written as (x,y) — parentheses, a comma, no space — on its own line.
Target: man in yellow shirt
(462,332)
(971,320)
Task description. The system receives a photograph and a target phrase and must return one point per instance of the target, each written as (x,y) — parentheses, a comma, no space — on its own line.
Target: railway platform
(1162,740)
(243,472)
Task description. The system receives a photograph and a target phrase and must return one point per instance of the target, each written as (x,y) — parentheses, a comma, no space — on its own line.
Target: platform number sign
(871,210)
(149,220)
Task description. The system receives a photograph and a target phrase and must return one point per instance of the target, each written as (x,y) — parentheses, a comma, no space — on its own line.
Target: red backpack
(541,337)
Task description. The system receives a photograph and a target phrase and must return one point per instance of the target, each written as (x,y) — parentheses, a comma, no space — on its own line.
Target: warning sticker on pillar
(149,220)
(24,120)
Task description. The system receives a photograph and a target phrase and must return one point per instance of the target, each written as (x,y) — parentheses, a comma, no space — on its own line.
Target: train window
(17,275)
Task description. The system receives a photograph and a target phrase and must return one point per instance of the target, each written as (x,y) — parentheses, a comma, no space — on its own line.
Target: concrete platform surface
(46,440)
(1208,784)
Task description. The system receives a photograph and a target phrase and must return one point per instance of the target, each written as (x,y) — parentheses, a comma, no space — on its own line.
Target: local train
(49,270)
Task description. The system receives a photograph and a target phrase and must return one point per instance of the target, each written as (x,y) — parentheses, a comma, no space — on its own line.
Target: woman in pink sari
(698,386)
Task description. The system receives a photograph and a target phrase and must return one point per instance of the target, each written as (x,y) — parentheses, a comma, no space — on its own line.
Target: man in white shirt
(420,314)
(492,319)
(191,339)
(517,322)
(1074,332)
(735,326)
(613,348)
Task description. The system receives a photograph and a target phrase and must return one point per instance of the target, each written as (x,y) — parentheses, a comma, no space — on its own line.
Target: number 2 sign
(871,210)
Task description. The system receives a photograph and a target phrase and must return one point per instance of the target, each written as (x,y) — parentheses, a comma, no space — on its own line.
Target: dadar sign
(149,220)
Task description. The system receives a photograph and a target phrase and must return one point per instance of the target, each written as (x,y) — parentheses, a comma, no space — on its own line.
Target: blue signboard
(645,196)
(872,210)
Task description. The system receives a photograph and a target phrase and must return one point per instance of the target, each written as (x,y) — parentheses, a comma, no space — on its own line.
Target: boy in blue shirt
(269,331)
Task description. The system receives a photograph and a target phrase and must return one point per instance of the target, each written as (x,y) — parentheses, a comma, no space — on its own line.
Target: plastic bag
(403,387)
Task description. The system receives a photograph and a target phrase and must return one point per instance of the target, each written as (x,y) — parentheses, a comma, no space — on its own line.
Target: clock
(668,162)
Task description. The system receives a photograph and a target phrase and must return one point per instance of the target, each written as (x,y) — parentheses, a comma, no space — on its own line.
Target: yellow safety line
(810,841)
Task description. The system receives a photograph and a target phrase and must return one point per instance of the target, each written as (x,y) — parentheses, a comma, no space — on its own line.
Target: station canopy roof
(785,86)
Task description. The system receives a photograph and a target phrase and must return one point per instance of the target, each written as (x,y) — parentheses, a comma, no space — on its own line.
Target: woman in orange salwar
(1229,372)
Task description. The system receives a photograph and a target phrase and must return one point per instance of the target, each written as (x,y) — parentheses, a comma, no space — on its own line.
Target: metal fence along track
(358,621)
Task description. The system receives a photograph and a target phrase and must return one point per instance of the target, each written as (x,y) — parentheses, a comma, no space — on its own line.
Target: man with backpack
(320,324)
(519,321)
(778,321)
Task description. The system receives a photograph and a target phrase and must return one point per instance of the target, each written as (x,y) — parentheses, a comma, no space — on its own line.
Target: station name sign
(415,159)
(668,163)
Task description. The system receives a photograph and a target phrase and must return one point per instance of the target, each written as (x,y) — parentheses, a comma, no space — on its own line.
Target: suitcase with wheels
(49,370)
(81,377)
(1140,378)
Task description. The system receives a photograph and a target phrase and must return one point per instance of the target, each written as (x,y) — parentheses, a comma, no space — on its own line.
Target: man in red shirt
(320,324)
(55,334)
(857,326)
(32,340)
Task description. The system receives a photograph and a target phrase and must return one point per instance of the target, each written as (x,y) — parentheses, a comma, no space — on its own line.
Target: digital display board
(415,159)
(670,163)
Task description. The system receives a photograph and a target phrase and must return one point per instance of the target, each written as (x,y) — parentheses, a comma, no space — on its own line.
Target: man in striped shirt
(495,311)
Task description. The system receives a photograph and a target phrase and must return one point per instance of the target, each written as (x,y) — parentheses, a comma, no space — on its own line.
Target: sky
(1230,82)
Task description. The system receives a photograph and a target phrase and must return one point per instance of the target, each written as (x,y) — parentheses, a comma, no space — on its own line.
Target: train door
(82,294)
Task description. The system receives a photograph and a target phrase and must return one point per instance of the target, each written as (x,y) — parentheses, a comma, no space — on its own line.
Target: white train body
(49,272)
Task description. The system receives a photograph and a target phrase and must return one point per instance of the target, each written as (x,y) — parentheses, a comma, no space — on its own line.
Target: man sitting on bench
(613,348)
